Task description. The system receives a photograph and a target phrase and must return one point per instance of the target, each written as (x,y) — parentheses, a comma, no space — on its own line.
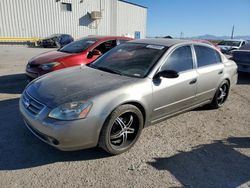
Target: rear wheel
(121,129)
(221,95)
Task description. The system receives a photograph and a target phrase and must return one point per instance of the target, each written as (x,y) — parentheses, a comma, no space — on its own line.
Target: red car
(207,42)
(83,51)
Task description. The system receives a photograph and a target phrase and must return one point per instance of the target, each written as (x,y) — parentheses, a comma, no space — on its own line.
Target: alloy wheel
(124,130)
(222,94)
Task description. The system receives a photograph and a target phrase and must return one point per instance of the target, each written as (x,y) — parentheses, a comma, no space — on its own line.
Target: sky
(196,17)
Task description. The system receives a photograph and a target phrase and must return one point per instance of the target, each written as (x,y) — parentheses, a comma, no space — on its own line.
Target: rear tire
(221,95)
(121,129)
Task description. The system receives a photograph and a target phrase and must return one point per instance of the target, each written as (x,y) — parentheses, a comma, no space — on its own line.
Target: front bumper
(32,75)
(34,72)
(63,135)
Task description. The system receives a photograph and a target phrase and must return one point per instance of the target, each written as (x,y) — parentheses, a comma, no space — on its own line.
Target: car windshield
(78,46)
(130,59)
(230,43)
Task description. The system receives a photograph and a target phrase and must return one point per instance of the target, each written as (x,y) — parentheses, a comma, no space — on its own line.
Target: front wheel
(221,95)
(121,130)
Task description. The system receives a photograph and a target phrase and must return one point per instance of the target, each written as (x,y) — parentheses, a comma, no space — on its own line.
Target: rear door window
(206,56)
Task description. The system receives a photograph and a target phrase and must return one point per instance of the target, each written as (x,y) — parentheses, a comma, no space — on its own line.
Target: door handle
(193,81)
(220,72)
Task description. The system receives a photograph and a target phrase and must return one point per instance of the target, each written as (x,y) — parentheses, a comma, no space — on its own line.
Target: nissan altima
(136,84)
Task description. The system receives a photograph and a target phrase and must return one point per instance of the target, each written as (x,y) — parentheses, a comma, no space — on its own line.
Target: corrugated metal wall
(40,18)
(130,19)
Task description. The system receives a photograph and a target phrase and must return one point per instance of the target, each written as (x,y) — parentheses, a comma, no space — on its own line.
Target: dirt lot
(201,148)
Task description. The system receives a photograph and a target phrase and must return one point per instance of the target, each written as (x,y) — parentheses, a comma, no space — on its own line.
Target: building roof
(133,4)
(160,41)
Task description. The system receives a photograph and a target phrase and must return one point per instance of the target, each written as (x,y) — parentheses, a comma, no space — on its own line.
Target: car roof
(202,41)
(161,41)
(102,37)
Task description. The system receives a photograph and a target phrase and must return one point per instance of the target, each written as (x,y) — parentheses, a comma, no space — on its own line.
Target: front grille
(31,104)
(33,65)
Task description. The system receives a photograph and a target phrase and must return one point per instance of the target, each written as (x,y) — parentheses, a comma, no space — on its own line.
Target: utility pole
(181,35)
(232,35)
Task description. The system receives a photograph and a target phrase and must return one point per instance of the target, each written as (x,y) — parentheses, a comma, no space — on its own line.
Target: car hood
(74,84)
(48,57)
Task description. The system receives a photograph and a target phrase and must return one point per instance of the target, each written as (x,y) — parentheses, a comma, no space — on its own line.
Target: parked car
(242,58)
(56,40)
(207,42)
(227,46)
(136,84)
(83,51)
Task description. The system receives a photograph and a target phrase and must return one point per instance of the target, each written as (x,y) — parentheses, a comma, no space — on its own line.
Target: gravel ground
(201,148)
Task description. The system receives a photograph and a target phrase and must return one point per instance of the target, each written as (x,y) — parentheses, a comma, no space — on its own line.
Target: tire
(121,129)
(221,95)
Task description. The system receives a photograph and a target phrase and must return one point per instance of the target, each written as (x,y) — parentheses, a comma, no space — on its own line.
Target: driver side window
(106,46)
(180,60)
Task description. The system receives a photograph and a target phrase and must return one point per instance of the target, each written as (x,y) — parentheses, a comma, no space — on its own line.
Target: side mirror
(93,53)
(167,74)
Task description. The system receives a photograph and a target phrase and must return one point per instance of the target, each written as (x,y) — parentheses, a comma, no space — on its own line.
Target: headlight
(71,111)
(49,66)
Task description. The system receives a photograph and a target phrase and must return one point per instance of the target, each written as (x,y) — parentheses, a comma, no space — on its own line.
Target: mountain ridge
(213,37)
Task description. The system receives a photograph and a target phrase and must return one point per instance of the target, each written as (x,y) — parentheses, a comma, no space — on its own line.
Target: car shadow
(212,165)
(20,149)
(206,107)
(33,46)
(243,78)
(13,84)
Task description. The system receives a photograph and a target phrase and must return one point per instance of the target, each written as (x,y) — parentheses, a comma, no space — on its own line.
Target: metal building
(40,18)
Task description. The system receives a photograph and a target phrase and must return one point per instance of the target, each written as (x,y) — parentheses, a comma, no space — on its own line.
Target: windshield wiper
(108,70)
(65,51)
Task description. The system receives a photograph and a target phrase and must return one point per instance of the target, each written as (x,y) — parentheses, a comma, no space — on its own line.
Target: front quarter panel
(74,60)
(140,93)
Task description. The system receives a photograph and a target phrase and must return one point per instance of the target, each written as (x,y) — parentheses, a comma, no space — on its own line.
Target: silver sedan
(137,84)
